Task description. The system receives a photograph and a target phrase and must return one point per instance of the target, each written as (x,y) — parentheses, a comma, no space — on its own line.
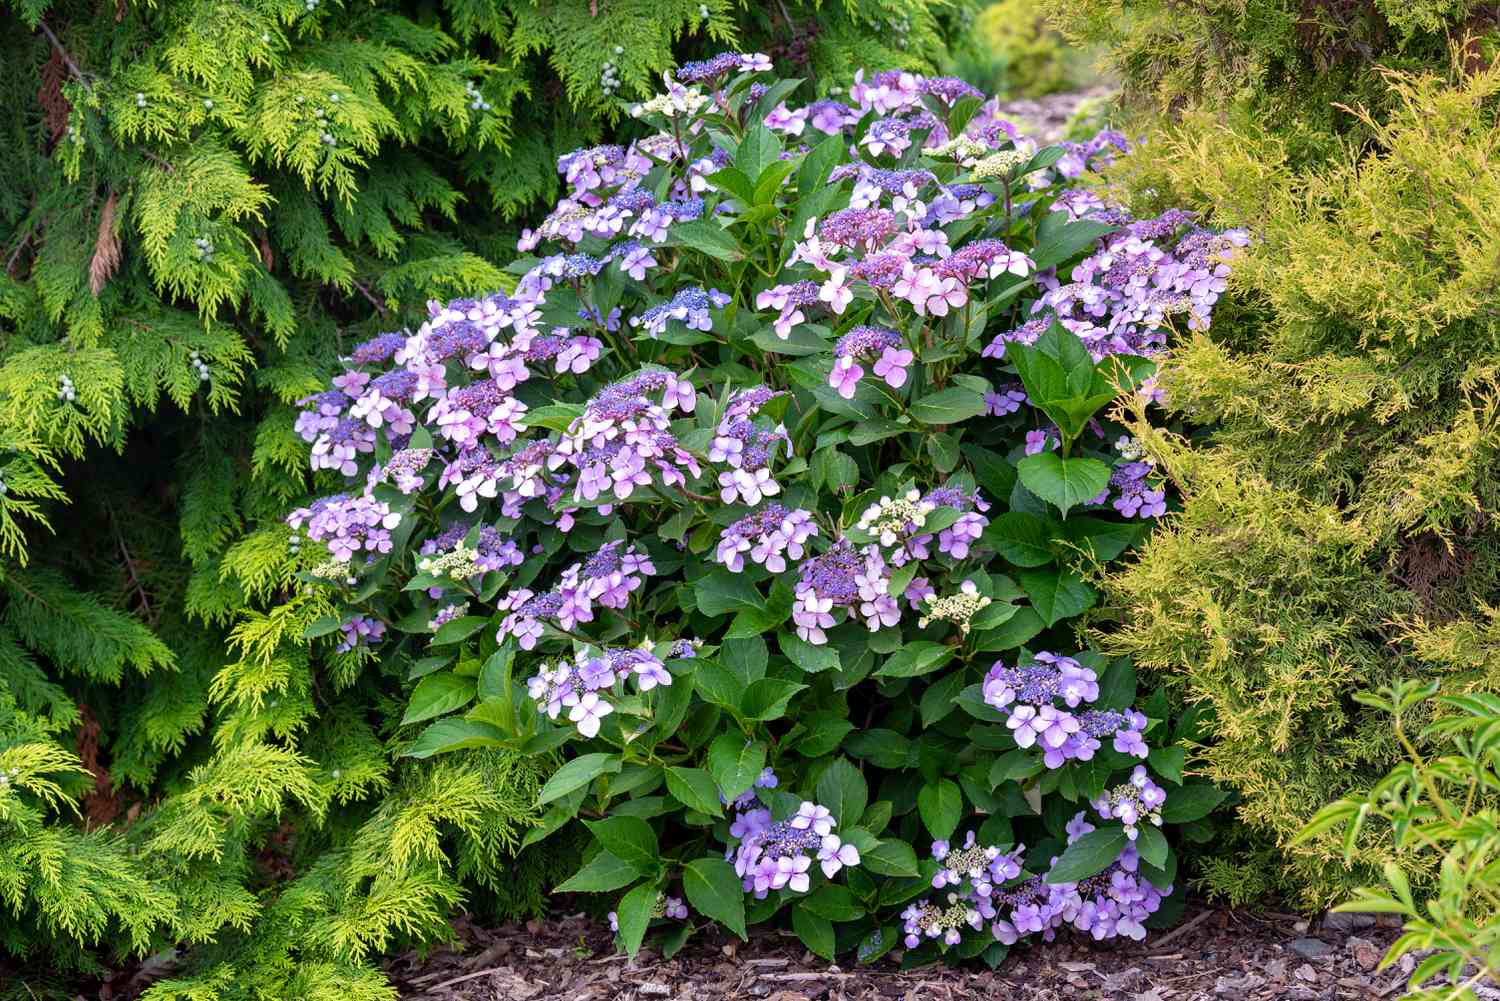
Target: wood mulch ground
(1215,955)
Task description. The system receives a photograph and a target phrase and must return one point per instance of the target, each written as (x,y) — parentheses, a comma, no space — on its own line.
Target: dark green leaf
(759,149)
(871,431)
(812,659)
(876,944)
(1089,855)
(962,113)
(880,747)
(1014,632)
(1056,594)
(769,184)
(890,858)
(818,164)
(941,805)
(1057,243)
(634,914)
(842,789)
(1105,539)
(554,416)
(1020,538)
(722,592)
(824,732)
(971,701)
(601,874)
(576,774)
(459,629)
(454,734)
(815,931)
(1064,482)
(437,694)
(695,789)
(833,469)
(767,699)
(746,657)
(715,891)
(735,763)
(1168,762)
(1192,802)
(1117,685)
(494,677)
(939,699)
(943,448)
(915,660)
(322,627)
(1152,844)
(948,406)
(630,839)
(706,237)
(718,684)
(833,902)
(732,180)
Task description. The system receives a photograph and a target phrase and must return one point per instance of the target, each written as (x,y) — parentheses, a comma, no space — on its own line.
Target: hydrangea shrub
(766,500)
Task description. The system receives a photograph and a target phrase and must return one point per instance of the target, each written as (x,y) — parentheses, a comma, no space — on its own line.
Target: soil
(1215,955)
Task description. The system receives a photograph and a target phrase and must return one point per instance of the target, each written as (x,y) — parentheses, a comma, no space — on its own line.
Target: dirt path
(1214,955)
(1047,115)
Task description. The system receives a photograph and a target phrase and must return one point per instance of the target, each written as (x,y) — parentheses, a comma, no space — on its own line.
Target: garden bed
(1255,956)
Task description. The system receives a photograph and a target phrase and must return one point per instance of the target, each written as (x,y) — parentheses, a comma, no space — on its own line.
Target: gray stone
(1309,948)
(1346,924)
(1238,986)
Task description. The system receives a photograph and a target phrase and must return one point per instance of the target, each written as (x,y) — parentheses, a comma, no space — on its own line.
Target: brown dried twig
(73,69)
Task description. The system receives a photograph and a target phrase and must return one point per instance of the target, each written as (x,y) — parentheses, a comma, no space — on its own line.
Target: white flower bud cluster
(678,101)
(999,165)
(140,99)
(460,564)
(294,544)
(965,149)
(7,777)
(205,249)
(311,5)
(334,571)
(65,391)
(208,104)
(892,519)
(476,99)
(1129,448)
(956,608)
(703,11)
(198,363)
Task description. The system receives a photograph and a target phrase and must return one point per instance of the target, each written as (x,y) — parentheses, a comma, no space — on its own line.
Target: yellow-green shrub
(1338,527)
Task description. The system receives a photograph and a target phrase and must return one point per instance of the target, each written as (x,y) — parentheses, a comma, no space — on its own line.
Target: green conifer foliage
(1338,526)
(1297,68)
(204,203)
